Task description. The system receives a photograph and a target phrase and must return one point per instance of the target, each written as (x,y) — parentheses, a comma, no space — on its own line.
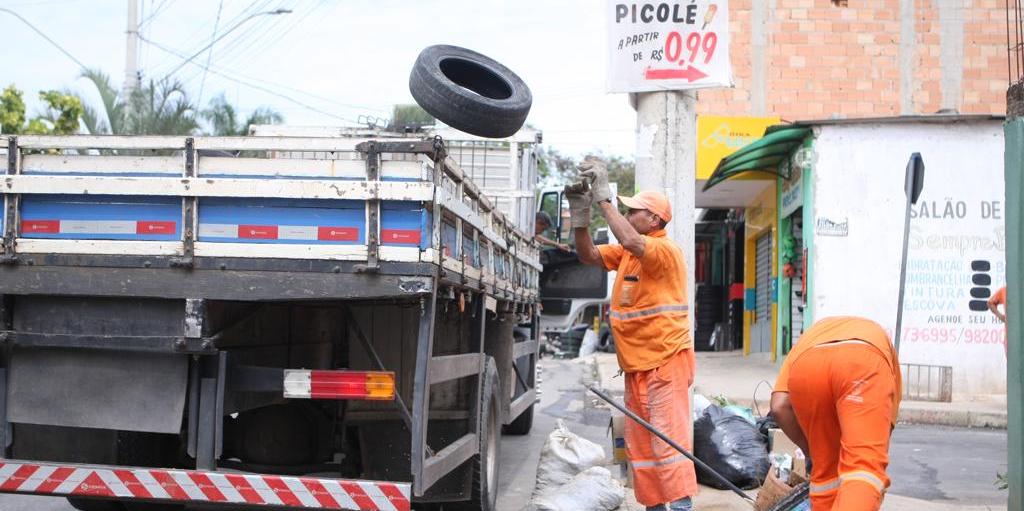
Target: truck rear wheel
(485,463)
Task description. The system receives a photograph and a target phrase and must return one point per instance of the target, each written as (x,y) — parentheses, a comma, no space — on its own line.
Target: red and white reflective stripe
(98,227)
(279,232)
(189,485)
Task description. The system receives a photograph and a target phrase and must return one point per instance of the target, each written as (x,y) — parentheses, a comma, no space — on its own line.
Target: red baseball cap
(655,202)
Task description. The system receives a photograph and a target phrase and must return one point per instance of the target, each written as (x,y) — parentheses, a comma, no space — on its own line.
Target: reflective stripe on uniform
(658,463)
(647,312)
(824,487)
(863,475)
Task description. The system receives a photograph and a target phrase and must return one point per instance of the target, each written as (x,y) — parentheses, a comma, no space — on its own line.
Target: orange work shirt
(843,328)
(649,309)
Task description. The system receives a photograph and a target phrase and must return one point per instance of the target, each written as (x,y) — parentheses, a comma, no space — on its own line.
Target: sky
(330,62)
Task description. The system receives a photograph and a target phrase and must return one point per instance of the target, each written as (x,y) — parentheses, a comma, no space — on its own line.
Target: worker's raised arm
(624,232)
(579,218)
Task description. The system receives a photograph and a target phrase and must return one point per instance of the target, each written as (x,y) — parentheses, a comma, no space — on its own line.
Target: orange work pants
(842,394)
(661,397)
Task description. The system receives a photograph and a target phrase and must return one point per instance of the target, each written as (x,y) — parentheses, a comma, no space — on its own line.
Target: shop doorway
(761,330)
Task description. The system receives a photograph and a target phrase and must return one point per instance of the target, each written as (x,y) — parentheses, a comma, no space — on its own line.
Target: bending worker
(837,397)
(652,336)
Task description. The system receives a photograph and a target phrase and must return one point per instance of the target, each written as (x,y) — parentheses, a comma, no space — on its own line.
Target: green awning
(763,155)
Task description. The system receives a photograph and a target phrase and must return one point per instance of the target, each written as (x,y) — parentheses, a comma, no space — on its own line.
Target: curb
(957,418)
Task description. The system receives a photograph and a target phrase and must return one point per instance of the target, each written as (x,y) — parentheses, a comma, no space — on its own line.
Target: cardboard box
(618,427)
(772,491)
(779,443)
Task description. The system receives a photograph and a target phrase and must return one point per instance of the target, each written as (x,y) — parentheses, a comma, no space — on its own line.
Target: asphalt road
(939,464)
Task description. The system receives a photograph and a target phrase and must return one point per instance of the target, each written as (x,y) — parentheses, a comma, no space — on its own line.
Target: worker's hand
(564,248)
(579,208)
(594,170)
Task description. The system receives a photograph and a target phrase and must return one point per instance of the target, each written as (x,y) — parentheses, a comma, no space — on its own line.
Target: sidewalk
(747,381)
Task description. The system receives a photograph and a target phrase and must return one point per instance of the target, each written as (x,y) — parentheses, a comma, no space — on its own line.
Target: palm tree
(223,118)
(159,108)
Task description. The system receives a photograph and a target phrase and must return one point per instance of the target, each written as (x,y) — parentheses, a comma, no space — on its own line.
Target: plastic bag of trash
(742,411)
(589,344)
(731,446)
(594,489)
(700,403)
(564,455)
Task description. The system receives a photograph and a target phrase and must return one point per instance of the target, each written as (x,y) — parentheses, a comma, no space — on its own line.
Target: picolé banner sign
(671,45)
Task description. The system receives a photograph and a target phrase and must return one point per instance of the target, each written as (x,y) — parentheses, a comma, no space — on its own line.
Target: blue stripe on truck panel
(266,220)
(404,223)
(101,217)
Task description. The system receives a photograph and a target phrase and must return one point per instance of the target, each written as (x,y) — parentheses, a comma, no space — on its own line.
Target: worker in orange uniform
(649,320)
(837,397)
(999,299)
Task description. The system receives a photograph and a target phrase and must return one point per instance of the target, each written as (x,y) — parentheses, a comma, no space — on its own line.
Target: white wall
(859,178)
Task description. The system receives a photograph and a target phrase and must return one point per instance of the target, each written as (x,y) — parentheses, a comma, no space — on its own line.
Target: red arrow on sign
(690,74)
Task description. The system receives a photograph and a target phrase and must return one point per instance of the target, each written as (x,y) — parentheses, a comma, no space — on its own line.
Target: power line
(160,7)
(250,85)
(188,60)
(40,32)
(199,101)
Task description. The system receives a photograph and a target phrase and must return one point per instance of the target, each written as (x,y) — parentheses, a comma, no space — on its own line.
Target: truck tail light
(341,384)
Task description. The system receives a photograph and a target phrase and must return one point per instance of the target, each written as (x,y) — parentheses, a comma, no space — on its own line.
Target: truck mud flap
(191,486)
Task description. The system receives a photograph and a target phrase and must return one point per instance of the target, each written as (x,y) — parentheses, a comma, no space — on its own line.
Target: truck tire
(485,463)
(469,91)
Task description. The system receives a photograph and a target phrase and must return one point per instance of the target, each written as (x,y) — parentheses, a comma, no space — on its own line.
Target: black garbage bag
(732,446)
(764,424)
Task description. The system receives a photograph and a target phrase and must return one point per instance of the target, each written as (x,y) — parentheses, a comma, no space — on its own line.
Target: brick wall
(822,61)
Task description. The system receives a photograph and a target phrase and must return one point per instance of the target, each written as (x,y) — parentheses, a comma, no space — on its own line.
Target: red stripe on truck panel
(93,485)
(170,485)
(133,484)
(19,476)
(258,232)
(337,233)
(320,494)
(325,493)
(206,486)
(155,227)
(282,491)
(359,496)
(400,501)
(56,479)
(409,236)
(40,226)
(244,489)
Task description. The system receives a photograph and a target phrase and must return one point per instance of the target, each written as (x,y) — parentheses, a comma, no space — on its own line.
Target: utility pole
(131,61)
(666,129)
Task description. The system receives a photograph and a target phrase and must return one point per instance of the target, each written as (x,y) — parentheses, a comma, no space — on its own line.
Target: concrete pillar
(666,126)
(1014,171)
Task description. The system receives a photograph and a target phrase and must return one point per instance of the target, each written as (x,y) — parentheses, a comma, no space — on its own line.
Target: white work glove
(579,208)
(593,169)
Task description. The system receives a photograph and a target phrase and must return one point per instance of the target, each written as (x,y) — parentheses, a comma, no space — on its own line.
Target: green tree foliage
(12,110)
(61,117)
(557,169)
(223,118)
(158,108)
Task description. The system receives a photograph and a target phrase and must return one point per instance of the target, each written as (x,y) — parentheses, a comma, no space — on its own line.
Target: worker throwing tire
(649,320)
(837,397)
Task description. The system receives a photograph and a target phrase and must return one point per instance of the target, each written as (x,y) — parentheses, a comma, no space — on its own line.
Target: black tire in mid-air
(469,91)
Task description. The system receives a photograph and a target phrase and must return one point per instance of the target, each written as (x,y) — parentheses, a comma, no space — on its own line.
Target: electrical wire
(252,86)
(220,7)
(40,32)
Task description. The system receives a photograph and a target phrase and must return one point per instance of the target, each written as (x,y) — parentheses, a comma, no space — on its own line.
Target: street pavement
(933,467)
